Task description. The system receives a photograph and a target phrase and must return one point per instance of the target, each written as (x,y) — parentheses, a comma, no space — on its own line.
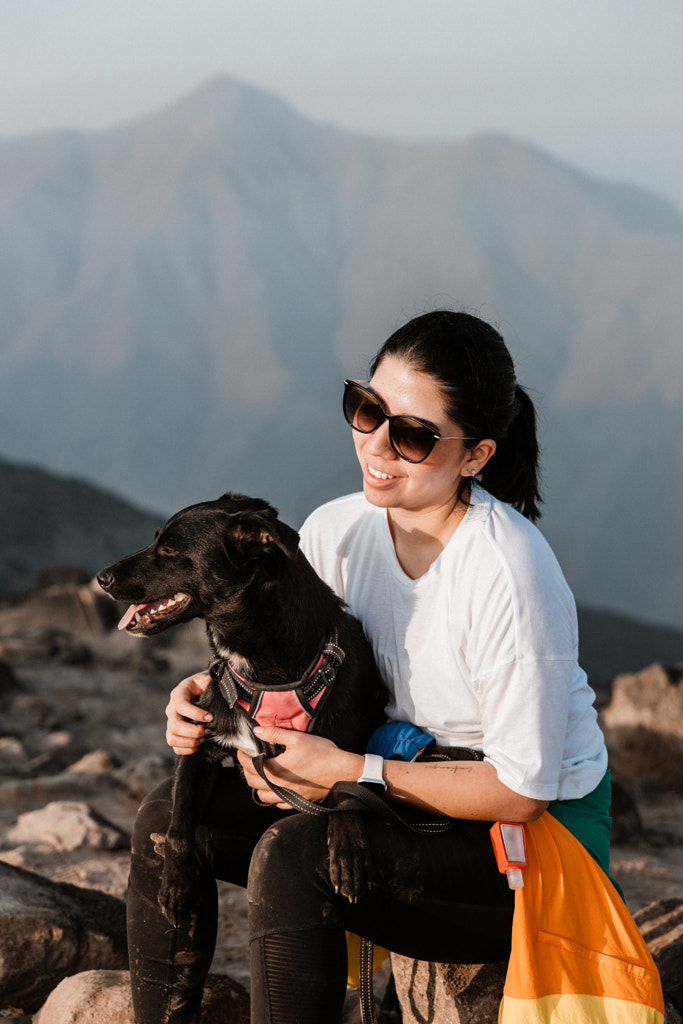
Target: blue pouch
(398,739)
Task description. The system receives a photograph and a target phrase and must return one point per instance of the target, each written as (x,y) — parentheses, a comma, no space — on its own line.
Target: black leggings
(434,897)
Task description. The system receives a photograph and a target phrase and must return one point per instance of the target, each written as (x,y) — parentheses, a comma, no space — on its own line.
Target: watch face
(374,787)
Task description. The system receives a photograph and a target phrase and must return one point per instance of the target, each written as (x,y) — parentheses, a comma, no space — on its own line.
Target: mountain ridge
(50,521)
(181,298)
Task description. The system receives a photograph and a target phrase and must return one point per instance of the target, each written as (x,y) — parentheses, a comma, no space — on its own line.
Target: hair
(474,369)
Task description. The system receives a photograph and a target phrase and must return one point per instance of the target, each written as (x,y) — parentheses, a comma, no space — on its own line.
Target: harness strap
(299,700)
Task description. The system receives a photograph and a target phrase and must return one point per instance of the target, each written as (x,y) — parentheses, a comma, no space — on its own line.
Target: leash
(302,700)
(356,798)
(307,694)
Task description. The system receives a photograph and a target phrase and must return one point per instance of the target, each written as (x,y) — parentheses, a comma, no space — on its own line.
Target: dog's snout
(105,579)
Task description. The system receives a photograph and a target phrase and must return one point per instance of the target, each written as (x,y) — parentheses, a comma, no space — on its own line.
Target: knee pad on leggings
(289,881)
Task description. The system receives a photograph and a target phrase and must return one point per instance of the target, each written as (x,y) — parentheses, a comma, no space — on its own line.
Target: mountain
(49,522)
(180,299)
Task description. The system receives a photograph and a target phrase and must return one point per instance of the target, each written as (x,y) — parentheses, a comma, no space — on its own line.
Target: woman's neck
(420,537)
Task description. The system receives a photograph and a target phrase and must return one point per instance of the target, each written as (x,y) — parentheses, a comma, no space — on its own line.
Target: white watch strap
(373,770)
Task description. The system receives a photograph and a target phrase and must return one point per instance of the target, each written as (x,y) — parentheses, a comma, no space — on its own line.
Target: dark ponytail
(471,363)
(512,473)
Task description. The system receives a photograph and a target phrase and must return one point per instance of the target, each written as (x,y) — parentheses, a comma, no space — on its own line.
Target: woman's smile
(378,474)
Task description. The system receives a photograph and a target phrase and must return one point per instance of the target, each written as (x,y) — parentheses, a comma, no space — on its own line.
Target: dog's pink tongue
(128,617)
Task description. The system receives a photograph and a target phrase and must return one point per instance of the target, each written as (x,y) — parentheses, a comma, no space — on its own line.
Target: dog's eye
(166,550)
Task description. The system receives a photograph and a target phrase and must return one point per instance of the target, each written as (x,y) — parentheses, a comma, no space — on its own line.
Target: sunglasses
(410,438)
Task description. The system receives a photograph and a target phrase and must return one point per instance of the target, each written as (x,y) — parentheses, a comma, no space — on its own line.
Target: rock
(53,752)
(32,708)
(46,643)
(104,997)
(50,930)
(144,773)
(12,751)
(643,726)
(67,825)
(672,1014)
(32,794)
(63,598)
(627,825)
(448,993)
(661,925)
(9,684)
(95,761)
(43,752)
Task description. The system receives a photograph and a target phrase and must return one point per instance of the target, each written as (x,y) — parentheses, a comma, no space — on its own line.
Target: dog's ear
(261,532)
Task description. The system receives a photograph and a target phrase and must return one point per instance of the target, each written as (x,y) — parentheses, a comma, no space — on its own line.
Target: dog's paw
(177,897)
(351,871)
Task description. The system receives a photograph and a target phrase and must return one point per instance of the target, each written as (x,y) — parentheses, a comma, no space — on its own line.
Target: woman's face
(391,482)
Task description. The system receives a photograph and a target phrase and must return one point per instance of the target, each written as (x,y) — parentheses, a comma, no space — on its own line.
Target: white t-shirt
(480,651)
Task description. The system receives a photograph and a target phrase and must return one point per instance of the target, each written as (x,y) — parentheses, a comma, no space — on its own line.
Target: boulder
(67,825)
(94,997)
(65,599)
(35,642)
(448,993)
(9,684)
(627,824)
(643,726)
(32,794)
(142,774)
(95,761)
(50,930)
(661,925)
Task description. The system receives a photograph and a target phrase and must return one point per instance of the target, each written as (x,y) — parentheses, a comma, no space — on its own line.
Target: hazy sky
(596,82)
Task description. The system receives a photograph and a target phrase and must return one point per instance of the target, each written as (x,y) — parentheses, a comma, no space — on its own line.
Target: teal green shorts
(588,819)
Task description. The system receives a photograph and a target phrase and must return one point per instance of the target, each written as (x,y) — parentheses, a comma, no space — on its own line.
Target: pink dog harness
(290,706)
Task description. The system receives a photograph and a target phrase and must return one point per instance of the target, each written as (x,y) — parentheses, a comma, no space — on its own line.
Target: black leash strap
(357,798)
(367,996)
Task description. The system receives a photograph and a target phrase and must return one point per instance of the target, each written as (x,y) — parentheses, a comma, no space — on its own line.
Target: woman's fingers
(185,729)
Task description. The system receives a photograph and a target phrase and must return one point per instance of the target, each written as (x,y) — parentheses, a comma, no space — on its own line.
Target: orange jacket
(577,956)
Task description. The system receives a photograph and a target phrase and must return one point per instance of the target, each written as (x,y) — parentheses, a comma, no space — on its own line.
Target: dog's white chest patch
(241,739)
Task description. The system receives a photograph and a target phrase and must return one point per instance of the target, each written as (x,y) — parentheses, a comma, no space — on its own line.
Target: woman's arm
(458,789)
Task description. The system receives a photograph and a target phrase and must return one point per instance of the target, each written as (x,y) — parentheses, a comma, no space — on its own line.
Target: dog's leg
(178,889)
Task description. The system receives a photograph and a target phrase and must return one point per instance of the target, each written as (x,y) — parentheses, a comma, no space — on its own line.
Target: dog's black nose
(105,579)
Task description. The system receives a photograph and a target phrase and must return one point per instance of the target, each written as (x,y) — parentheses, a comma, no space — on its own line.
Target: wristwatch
(372,777)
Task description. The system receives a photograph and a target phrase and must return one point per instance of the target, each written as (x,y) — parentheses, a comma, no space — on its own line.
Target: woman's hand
(183,736)
(310,765)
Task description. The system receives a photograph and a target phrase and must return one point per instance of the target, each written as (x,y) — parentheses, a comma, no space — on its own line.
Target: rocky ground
(83,728)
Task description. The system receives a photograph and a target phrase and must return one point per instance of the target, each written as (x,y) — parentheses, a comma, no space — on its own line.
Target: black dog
(275,628)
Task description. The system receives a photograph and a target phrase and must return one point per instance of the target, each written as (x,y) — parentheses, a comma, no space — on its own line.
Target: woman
(474,630)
